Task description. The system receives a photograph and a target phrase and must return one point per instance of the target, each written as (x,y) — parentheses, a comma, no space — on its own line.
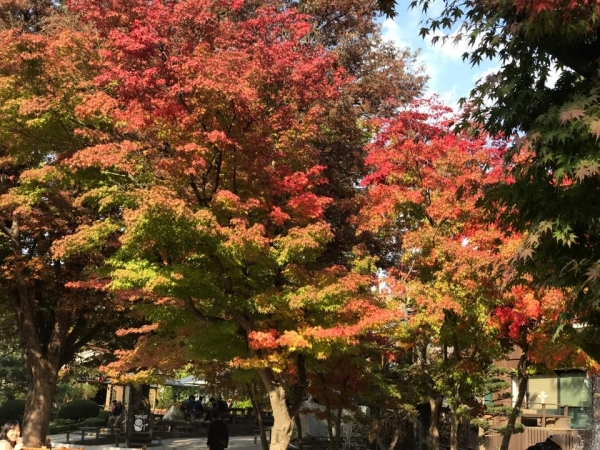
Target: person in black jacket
(218,436)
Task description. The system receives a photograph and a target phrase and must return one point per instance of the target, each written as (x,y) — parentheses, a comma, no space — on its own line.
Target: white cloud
(449,76)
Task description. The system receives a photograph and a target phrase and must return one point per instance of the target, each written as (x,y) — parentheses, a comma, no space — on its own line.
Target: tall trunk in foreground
(279,397)
(43,361)
(435,403)
(453,430)
(522,378)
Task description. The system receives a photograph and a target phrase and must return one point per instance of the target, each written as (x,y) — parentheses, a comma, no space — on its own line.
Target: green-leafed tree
(46,61)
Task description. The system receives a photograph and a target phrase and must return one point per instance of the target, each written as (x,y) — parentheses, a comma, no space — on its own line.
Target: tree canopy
(544,97)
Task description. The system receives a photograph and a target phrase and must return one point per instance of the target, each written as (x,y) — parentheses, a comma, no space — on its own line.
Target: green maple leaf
(593,273)
(586,169)
(571,113)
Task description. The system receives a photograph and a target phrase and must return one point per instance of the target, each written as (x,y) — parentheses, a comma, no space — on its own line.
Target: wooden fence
(468,438)
(574,439)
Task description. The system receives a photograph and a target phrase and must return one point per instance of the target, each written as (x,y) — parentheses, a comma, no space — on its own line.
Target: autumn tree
(234,163)
(440,255)
(527,319)
(545,95)
(45,60)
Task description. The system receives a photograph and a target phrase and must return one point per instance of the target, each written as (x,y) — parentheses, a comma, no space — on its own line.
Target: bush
(12,410)
(104,415)
(61,422)
(93,422)
(79,410)
(58,429)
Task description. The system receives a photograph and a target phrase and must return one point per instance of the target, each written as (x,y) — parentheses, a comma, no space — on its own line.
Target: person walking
(218,435)
(10,436)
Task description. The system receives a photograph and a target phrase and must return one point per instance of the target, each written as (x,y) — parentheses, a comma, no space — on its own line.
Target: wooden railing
(574,439)
(544,415)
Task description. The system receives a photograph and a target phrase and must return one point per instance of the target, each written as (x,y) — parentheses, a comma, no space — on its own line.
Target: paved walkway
(196,443)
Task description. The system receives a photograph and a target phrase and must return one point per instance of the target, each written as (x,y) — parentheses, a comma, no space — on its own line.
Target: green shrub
(62,422)
(93,422)
(104,415)
(12,410)
(58,429)
(242,404)
(79,410)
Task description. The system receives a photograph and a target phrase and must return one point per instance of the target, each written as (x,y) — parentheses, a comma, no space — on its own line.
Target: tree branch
(199,315)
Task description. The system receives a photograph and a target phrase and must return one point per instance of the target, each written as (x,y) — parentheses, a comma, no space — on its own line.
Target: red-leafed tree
(441,255)
(546,92)
(233,151)
(527,319)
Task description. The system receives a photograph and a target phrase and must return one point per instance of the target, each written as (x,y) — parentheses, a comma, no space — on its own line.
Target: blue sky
(450,77)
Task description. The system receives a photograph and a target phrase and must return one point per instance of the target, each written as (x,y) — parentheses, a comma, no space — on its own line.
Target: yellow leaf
(595,127)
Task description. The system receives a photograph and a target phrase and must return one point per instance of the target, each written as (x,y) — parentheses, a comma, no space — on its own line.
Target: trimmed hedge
(93,422)
(79,410)
(58,429)
(12,410)
(104,415)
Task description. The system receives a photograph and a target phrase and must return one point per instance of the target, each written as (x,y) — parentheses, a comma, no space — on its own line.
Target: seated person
(118,415)
(197,409)
(189,404)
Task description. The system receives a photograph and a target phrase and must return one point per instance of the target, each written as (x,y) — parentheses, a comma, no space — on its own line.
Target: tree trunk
(338,428)
(396,432)
(43,360)
(259,417)
(522,378)
(330,425)
(454,430)
(283,426)
(298,421)
(435,403)
(41,380)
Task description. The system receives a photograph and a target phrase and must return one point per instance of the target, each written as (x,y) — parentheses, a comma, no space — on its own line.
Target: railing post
(543,415)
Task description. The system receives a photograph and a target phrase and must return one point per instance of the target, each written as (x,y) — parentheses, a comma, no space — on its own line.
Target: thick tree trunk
(43,360)
(283,425)
(42,380)
(522,378)
(435,403)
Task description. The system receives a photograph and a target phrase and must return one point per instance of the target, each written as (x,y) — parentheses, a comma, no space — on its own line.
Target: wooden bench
(84,431)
